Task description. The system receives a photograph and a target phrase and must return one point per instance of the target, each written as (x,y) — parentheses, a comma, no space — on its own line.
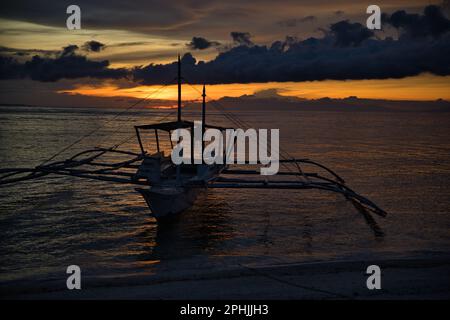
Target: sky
(126,50)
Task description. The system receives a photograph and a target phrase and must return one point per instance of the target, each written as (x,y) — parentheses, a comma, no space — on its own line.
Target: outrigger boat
(170,189)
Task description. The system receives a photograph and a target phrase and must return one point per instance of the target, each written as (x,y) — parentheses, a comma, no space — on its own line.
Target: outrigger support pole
(334,174)
(139,140)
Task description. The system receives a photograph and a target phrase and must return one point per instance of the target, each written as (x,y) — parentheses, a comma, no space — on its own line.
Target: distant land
(351,103)
(274,101)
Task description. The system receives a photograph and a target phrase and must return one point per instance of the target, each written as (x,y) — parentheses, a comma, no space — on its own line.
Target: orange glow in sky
(423,87)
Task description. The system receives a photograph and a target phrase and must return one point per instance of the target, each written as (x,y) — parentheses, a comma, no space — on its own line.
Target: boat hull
(166,203)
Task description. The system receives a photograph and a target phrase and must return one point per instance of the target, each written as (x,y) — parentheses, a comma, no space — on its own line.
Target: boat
(174,188)
(170,189)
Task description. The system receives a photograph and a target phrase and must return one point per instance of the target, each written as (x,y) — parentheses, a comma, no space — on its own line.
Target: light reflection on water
(400,160)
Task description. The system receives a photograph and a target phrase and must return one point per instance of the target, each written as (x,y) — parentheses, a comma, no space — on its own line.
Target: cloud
(267,94)
(162,73)
(69,50)
(347,34)
(295,21)
(67,66)
(308,19)
(241,38)
(93,46)
(10,68)
(70,67)
(142,16)
(130,44)
(178,19)
(346,51)
(199,43)
(339,55)
(284,45)
(25,52)
(432,23)
(446,6)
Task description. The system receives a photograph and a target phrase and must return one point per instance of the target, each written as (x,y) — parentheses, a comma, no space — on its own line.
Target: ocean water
(400,160)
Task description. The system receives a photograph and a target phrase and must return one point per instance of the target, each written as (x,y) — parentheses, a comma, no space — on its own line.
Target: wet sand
(415,278)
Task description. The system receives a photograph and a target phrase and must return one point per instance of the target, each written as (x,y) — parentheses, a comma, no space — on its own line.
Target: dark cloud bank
(67,65)
(346,51)
(93,46)
(241,38)
(199,43)
(289,23)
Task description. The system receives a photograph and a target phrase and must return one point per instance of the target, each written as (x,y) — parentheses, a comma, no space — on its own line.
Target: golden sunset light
(423,87)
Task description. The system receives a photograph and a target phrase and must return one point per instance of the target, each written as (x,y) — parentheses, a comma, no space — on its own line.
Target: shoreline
(408,278)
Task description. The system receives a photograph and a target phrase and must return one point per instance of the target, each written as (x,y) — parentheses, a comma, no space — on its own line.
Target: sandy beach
(414,278)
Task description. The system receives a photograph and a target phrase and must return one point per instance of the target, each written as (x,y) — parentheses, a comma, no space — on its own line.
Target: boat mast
(203,118)
(178,167)
(179,88)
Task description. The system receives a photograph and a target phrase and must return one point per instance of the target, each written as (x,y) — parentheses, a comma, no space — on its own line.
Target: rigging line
(238,124)
(134,134)
(161,119)
(284,154)
(247,125)
(230,114)
(133,117)
(234,119)
(108,121)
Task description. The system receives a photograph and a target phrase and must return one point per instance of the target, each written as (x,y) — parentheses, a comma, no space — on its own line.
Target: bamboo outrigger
(170,189)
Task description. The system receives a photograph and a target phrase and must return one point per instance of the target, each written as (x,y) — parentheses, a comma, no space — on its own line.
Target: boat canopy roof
(173,125)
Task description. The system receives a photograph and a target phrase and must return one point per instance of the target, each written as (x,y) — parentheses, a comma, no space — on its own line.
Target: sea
(398,159)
